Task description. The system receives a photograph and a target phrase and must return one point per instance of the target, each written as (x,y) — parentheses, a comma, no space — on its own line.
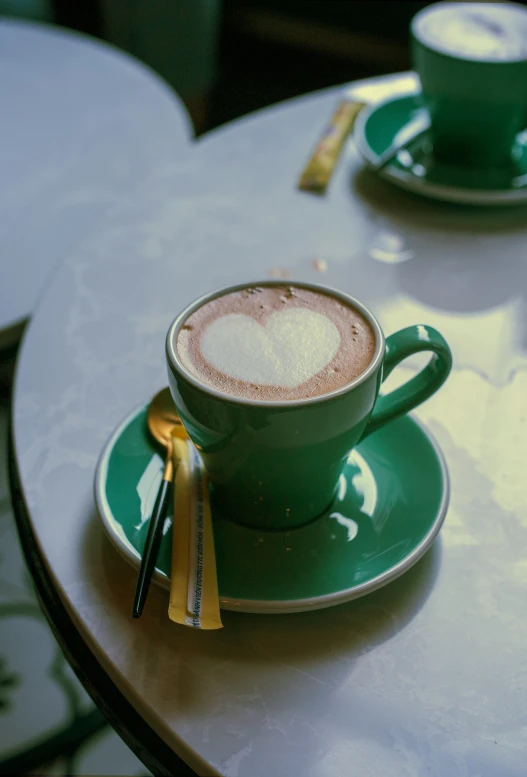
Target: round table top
(82,124)
(425,676)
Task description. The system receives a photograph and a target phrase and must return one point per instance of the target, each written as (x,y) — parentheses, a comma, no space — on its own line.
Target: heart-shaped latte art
(287,350)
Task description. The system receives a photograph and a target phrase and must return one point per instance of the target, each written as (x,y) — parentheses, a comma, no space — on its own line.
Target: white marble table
(82,124)
(426,676)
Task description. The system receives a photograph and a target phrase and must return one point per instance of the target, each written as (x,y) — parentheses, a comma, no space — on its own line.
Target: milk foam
(478,31)
(275,342)
(292,347)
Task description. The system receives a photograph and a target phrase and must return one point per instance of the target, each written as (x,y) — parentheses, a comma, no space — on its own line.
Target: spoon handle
(153,541)
(410,132)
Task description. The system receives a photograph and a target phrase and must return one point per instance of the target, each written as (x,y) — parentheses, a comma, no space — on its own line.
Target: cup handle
(399,346)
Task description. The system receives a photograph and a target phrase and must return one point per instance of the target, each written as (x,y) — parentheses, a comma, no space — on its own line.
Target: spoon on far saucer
(162,419)
(415,128)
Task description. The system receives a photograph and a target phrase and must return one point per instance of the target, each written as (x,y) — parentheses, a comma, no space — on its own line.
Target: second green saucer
(416,169)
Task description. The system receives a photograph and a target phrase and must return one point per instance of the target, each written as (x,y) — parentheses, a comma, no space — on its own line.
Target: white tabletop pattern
(426,676)
(82,124)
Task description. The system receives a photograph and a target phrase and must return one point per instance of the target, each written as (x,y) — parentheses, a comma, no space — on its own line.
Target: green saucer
(415,168)
(391,503)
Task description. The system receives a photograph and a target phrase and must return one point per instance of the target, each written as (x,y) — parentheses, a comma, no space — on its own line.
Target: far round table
(426,675)
(82,124)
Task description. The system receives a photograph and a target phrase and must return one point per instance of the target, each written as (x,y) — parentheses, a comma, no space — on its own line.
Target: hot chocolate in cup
(472,62)
(276,343)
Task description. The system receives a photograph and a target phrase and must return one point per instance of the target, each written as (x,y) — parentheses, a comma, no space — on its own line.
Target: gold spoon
(163,420)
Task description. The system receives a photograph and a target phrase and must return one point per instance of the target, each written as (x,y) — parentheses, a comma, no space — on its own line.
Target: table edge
(122,716)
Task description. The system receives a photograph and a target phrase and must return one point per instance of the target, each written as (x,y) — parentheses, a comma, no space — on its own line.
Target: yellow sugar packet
(319,169)
(194,597)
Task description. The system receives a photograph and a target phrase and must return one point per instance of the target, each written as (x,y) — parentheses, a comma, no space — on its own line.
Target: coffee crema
(276,343)
(495,32)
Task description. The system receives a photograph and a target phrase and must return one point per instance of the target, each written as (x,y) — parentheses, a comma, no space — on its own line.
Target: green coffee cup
(472,62)
(276,465)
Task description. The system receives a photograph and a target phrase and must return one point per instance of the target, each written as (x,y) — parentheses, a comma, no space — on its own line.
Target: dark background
(265,50)
(270,50)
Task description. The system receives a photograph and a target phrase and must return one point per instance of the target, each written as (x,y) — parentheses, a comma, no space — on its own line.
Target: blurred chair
(39,10)
(177,39)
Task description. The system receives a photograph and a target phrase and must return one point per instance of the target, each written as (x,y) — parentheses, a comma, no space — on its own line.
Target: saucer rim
(406,180)
(262,606)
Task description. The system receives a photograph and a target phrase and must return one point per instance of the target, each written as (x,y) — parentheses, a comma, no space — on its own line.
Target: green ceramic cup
(477,104)
(276,465)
